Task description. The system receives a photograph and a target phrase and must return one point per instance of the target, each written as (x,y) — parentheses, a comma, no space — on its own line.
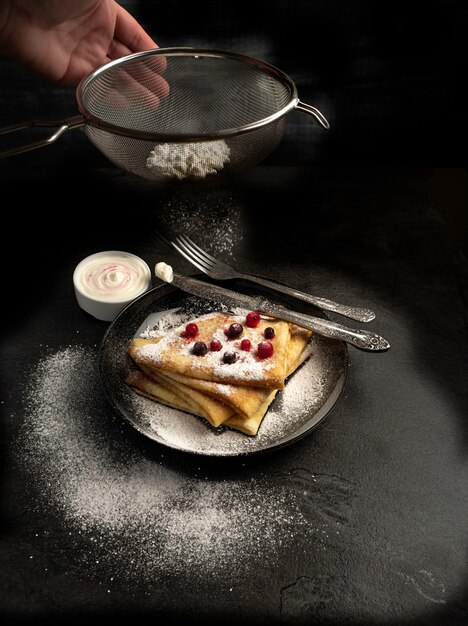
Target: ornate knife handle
(359,338)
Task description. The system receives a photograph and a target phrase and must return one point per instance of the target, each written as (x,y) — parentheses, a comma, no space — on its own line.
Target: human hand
(64,40)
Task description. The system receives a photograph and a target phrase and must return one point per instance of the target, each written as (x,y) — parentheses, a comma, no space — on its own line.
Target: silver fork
(219,270)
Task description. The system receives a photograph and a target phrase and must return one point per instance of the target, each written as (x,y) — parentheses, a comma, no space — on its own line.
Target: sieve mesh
(159,113)
(246,150)
(178,93)
(180,113)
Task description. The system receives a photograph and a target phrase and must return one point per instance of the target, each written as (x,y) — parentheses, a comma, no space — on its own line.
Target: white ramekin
(99,306)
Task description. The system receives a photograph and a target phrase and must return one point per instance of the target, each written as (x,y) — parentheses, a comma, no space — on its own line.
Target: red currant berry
(235,330)
(264,350)
(215,345)
(229,357)
(269,332)
(246,345)
(191,330)
(200,348)
(253,319)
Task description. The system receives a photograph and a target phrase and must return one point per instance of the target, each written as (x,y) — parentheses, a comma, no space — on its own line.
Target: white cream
(164,272)
(112,276)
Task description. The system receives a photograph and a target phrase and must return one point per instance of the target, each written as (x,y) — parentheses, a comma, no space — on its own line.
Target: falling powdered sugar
(213,221)
(135,516)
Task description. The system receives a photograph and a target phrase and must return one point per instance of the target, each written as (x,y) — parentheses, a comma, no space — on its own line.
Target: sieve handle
(310,110)
(60,127)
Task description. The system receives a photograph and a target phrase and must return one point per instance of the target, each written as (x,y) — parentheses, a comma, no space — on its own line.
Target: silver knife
(359,338)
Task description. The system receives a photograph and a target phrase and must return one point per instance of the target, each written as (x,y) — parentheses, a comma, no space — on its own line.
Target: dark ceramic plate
(310,393)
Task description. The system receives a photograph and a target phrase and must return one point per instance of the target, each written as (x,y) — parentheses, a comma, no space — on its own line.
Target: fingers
(131,91)
(117,50)
(137,85)
(153,64)
(129,32)
(130,37)
(147,73)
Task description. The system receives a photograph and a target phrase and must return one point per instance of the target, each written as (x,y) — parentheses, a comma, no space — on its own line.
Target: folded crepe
(173,353)
(214,412)
(298,352)
(238,405)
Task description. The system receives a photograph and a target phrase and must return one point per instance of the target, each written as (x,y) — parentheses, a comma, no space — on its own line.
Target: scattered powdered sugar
(308,387)
(188,160)
(161,324)
(131,516)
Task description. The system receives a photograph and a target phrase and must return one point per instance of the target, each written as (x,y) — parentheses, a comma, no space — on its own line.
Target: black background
(389,76)
(363,210)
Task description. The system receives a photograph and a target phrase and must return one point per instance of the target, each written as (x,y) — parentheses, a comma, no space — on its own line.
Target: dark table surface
(362,522)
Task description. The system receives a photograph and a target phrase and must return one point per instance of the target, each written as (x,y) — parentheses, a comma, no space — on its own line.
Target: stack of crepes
(234,394)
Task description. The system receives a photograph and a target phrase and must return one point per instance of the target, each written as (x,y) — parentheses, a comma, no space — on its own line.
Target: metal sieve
(166,111)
